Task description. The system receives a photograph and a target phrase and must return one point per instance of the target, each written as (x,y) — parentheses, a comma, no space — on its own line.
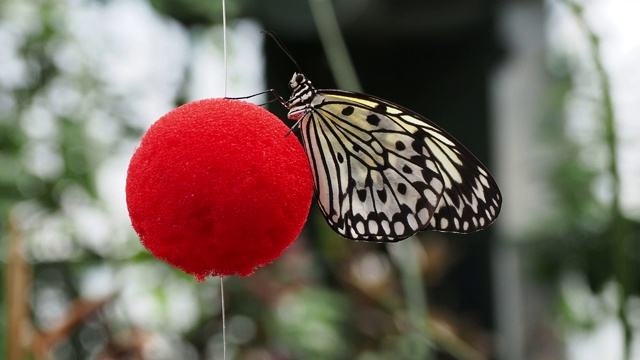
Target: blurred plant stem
(334,46)
(405,255)
(426,332)
(619,224)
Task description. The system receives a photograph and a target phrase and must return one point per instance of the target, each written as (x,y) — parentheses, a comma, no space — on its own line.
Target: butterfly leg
(277,98)
(272,91)
(293,127)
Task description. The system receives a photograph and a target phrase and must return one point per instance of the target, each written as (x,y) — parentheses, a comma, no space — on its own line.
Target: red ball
(216,188)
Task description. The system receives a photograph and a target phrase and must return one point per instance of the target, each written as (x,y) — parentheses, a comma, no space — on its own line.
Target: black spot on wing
(351,184)
(382,195)
(373,119)
(380,108)
(362,194)
(368,181)
(347,110)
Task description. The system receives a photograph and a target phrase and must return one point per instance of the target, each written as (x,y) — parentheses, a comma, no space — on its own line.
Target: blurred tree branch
(18,291)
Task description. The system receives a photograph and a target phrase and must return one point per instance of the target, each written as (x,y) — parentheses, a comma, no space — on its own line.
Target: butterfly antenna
(275,38)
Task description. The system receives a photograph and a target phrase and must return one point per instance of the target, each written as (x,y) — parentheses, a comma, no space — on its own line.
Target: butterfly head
(302,95)
(297,80)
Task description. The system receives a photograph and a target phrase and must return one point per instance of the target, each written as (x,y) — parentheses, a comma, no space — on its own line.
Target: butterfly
(382,172)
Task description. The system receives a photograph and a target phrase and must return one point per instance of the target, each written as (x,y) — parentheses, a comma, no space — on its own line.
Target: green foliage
(587,232)
(311,323)
(579,233)
(46,153)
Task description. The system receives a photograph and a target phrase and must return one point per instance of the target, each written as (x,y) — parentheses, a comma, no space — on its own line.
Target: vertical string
(224,54)
(224,323)
(224,44)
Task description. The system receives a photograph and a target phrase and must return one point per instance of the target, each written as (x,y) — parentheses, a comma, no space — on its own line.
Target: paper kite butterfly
(381,172)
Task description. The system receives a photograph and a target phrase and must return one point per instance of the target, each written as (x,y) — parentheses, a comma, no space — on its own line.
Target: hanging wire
(224,44)
(226,70)
(224,323)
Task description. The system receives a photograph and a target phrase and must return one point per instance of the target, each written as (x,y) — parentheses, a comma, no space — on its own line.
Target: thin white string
(224,323)
(224,44)
(224,54)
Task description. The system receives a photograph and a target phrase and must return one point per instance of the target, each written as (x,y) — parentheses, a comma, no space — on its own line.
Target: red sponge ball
(216,188)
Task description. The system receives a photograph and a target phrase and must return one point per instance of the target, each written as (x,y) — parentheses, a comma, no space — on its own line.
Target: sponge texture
(216,188)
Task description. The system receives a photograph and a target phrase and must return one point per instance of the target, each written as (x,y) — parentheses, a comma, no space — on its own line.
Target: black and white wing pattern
(383,173)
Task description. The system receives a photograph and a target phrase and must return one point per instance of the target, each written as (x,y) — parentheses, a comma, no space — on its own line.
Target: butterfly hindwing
(471,199)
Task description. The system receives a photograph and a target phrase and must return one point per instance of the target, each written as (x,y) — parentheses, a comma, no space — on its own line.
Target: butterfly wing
(471,199)
(383,173)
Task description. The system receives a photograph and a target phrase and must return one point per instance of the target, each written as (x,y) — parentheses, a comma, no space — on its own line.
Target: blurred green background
(546,93)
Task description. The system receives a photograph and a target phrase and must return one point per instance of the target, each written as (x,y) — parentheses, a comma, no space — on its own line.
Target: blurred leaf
(310,322)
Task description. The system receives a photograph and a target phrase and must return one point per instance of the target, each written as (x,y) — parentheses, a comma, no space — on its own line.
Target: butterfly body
(382,172)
